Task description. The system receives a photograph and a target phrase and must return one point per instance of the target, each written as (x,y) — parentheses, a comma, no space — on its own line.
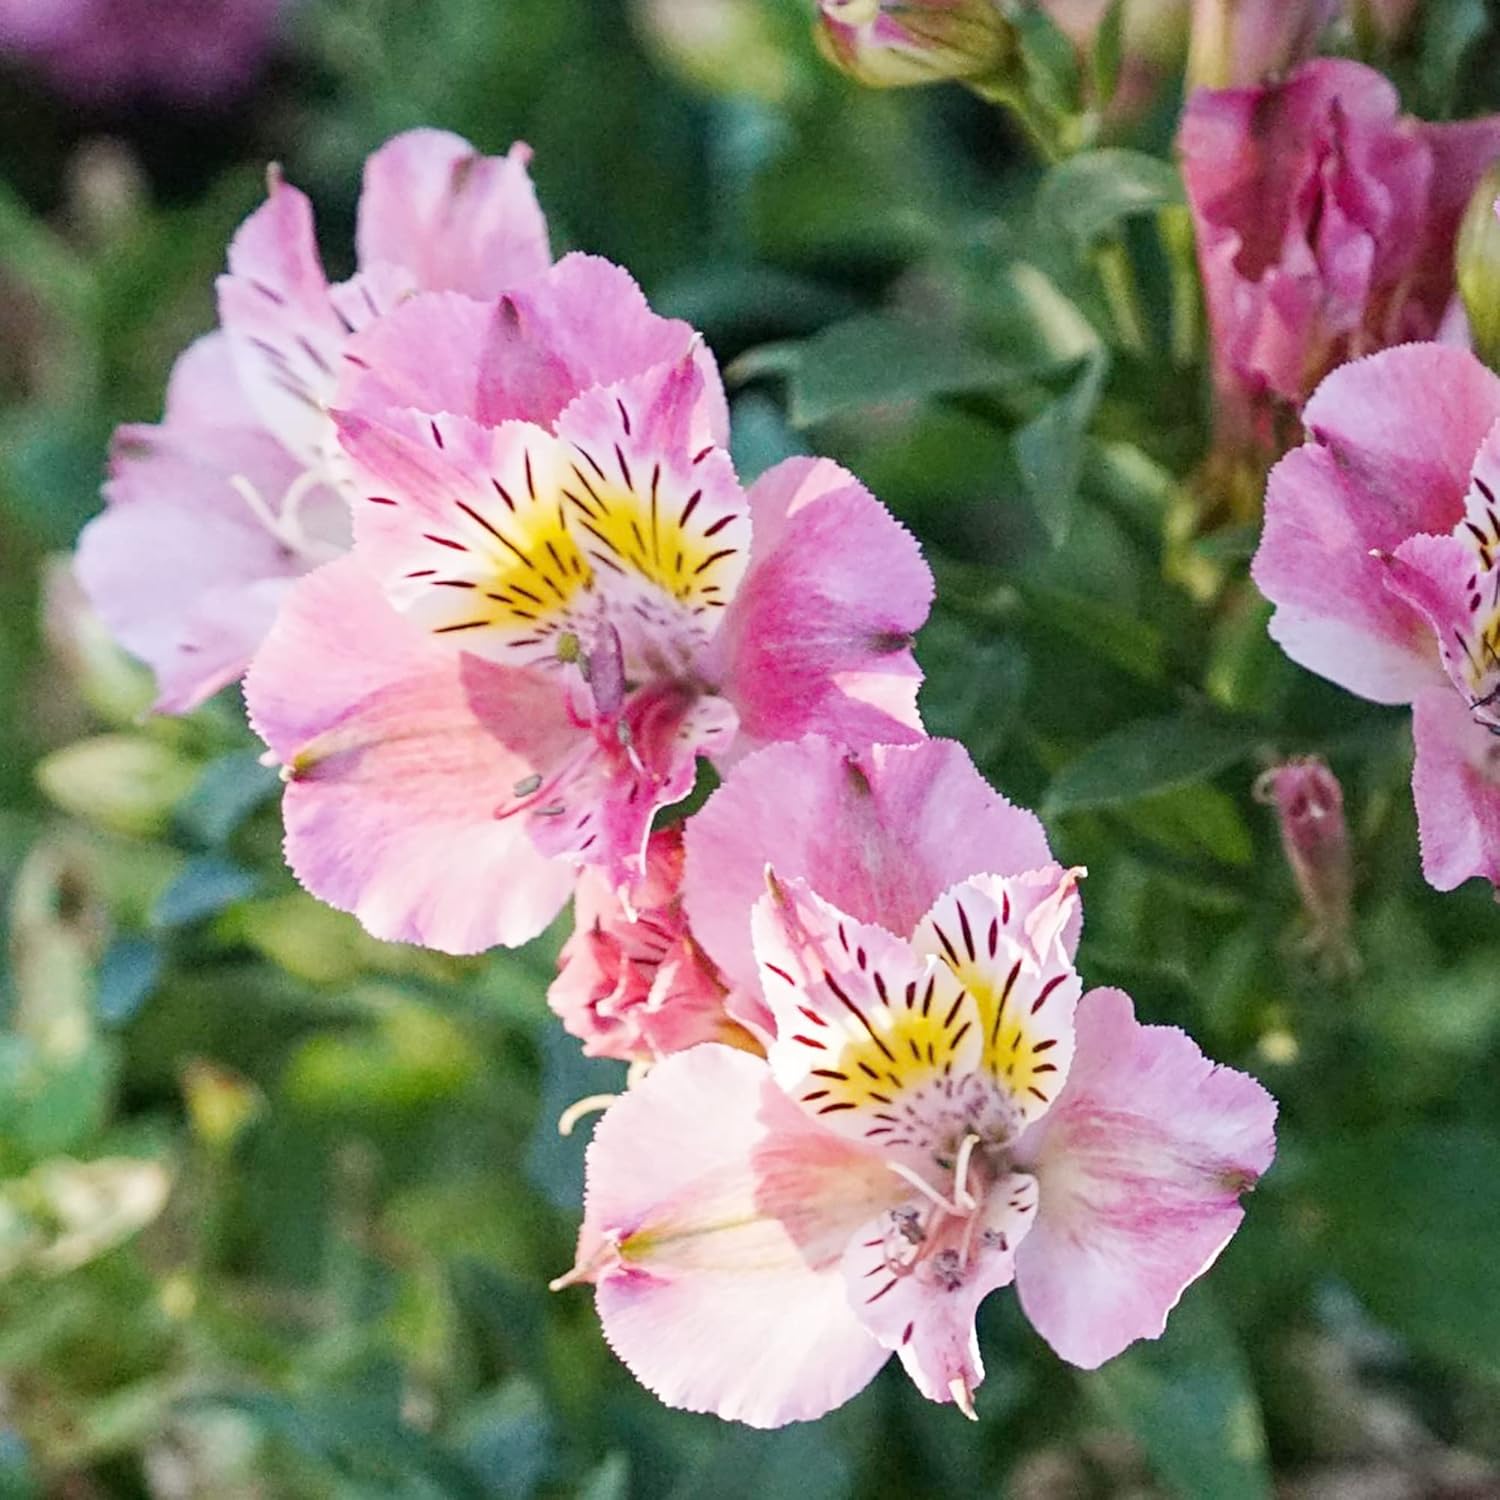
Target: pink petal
(526,356)
(1009,944)
(395,771)
(713,1301)
(275,308)
(879,833)
(925,1310)
(178,567)
(457,220)
(1440,578)
(1456,783)
(1141,1163)
(1392,441)
(818,639)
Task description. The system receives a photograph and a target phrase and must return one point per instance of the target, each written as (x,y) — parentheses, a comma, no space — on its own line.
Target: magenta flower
(632,983)
(192,51)
(1379,554)
(939,1114)
(1326,227)
(568,546)
(239,490)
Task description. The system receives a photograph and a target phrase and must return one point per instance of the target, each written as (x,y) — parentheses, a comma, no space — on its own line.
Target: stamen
(906,1174)
(581,1108)
(963,1397)
(965,1200)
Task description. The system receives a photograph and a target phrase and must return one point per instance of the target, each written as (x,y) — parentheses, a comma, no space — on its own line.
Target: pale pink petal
(395,773)
(710,1298)
(879,833)
(275,308)
(818,640)
(179,567)
(459,221)
(1392,441)
(1141,1163)
(869,1035)
(527,355)
(923,1305)
(1456,783)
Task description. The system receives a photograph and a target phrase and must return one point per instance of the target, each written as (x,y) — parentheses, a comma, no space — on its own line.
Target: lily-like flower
(891,43)
(632,982)
(240,489)
(1380,553)
(1326,227)
(188,51)
(581,592)
(939,1114)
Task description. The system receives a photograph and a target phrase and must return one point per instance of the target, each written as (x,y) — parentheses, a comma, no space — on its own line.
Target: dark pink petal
(526,355)
(880,833)
(713,1223)
(818,639)
(1392,440)
(394,772)
(1456,783)
(1141,1163)
(458,221)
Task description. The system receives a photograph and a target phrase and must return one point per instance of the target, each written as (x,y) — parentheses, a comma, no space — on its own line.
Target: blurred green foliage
(279,1203)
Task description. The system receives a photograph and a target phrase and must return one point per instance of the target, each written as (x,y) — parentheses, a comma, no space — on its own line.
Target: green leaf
(1449,29)
(1049,61)
(506,1439)
(128,973)
(749,1465)
(1150,756)
(610,1481)
(1090,194)
(555,1162)
(206,886)
(1409,1216)
(1133,645)
(1188,1401)
(1109,50)
(871,361)
(973,687)
(228,791)
(1050,448)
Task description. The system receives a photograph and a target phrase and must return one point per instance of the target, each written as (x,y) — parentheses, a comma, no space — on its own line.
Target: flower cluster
(468,527)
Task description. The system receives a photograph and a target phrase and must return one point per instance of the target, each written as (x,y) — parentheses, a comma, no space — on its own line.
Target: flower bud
(1239,42)
(1478,265)
(889,43)
(1309,805)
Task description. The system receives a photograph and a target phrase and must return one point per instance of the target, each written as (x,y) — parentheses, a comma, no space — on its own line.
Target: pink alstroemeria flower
(1326,226)
(939,1114)
(1380,555)
(240,489)
(584,571)
(632,983)
(191,51)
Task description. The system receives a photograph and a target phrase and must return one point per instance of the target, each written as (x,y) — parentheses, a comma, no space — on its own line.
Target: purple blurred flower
(190,51)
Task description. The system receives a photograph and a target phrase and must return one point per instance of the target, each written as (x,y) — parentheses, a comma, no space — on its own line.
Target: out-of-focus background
(279,1203)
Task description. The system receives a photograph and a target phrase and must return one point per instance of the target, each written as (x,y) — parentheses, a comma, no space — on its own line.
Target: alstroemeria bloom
(1326,227)
(890,43)
(1380,553)
(240,489)
(194,51)
(632,983)
(940,1114)
(582,581)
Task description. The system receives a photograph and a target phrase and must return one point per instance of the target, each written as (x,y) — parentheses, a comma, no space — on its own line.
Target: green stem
(1117,277)
(1176,229)
(1037,124)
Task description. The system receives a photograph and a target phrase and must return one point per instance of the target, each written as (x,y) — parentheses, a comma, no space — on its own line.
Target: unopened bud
(126,783)
(891,43)
(1309,805)
(1240,42)
(1478,265)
